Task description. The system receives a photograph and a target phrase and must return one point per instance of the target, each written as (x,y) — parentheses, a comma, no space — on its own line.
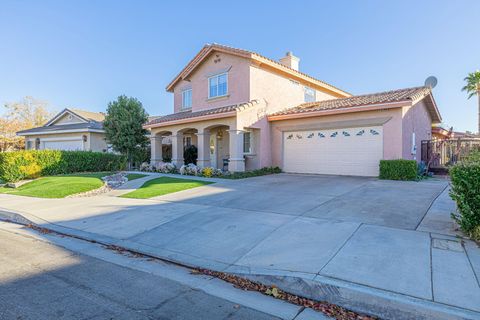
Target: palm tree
(473,88)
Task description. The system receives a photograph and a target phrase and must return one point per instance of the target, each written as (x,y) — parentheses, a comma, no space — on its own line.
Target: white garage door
(64,145)
(348,151)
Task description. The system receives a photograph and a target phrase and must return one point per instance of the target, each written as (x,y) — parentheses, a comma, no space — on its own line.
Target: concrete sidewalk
(301,233)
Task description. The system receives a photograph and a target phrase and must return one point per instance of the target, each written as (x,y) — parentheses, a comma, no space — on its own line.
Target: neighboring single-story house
(440,133)
(71,129)
(241,108)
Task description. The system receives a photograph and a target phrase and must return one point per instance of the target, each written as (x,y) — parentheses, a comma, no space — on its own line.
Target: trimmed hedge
(254,173)
(465,191)
(19,165)
(398,169)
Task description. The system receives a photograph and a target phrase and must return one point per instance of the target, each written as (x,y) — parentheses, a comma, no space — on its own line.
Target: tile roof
(189,114)
(409,94)
(247,54)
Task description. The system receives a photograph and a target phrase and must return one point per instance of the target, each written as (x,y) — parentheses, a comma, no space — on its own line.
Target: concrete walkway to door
(382,247)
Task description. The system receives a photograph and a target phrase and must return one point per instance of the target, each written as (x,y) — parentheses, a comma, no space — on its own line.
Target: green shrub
(254,173)
(398,169)
(18,165)
(190,155)
(465,191)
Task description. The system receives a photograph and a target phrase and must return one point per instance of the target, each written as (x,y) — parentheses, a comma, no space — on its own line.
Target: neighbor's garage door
(64,145)
(348,151)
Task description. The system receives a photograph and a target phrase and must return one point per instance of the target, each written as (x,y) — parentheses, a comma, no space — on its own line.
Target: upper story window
(310,95)
(217,85)
(187,99)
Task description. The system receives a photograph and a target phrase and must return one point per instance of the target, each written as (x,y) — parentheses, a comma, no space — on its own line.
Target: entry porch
(219,144)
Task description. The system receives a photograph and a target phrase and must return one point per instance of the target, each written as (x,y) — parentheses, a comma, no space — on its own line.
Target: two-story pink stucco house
(240,107)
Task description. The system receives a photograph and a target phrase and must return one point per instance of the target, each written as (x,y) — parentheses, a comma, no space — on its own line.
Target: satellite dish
(431,82)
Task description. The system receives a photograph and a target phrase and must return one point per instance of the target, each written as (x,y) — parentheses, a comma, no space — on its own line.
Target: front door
(213,150)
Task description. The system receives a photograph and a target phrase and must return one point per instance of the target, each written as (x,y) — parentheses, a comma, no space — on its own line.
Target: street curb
(13,217)
(358,298)
(362,299)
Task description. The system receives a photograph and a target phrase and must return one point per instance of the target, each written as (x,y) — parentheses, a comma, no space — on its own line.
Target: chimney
(290,60)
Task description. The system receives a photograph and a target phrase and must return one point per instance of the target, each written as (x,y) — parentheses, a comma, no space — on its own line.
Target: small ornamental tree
(124,126)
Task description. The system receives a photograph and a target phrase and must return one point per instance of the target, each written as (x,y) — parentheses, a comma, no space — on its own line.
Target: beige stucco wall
(95,141)
(238,82)
(416,119)
(392,129)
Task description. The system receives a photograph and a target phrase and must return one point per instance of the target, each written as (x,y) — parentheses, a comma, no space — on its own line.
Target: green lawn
(133,176)
(59,186)
(164,185)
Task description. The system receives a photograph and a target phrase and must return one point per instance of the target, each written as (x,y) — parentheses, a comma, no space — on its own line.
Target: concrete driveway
(394,204)
(394,240)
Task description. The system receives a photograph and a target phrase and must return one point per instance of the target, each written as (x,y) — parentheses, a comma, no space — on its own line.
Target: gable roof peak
(261,60)
(86,116)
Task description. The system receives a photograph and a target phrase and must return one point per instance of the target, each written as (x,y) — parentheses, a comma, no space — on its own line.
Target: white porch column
(236,161)
(156,150)
(203,146)
(177,149)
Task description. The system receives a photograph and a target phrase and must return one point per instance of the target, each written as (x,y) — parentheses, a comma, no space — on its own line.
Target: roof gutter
(370,107)
(38,133)
(439,116)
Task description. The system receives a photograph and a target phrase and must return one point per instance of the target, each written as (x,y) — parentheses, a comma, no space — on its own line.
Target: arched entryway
(188,146)
(215,146)
(161,147)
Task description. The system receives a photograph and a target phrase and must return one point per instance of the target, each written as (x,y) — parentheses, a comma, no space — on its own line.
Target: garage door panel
(348,151)
(64,145)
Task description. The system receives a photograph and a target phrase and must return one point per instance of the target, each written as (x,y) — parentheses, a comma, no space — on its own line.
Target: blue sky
(85,53)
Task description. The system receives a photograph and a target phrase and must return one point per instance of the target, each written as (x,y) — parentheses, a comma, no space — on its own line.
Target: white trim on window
(248,142)
(187,99)
(217,94)
(310,94)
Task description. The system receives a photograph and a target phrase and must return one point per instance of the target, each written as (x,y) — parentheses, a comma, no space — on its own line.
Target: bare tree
(21,115)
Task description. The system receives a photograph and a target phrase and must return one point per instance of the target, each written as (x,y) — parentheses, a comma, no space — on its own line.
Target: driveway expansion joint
(343,245)
(430,206)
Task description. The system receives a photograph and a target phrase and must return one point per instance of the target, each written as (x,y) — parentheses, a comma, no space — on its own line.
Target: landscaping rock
(110,182)
(17,184)
(115,180)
